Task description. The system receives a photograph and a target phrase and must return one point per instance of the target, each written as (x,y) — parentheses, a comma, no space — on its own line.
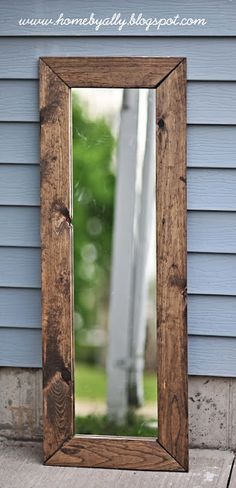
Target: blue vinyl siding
(208,315)
(19,184)
(23,346)
(212,315)
(209,146)
(211,169)
(208,189)
(220,15)
(208,58)
(214,354)
(19,267)
(208,232)
(21,226)
(20,307)
(208,102)
(210,274)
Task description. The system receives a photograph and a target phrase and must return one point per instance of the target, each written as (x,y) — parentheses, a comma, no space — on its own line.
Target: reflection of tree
(93,192)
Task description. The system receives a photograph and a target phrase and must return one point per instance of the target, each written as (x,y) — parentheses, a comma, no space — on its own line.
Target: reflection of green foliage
(135,425)
(90,384)
(93,201)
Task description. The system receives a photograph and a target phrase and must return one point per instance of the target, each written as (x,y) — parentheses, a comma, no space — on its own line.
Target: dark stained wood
(171,265)
(112,71)
(170,452)
(56,235)
(121,453)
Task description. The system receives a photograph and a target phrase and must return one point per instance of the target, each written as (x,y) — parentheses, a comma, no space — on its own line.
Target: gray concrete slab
(21,467)
(232,482)
(212,416)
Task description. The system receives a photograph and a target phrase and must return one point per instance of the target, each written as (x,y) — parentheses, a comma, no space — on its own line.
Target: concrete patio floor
(21,467)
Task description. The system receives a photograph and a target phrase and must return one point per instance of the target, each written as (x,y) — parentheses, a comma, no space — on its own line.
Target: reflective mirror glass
(114,222)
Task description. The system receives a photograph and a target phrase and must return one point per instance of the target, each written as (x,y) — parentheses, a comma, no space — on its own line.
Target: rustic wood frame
(61,446)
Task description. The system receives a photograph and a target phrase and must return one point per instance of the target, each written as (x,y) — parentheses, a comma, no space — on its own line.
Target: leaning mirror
(113,231)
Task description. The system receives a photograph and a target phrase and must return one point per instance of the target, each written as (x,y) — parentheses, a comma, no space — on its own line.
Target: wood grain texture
(217,148)
(56,237)
(213,232)
(208,315)
(56,261)
(112,72)
(122,453)
(208,274)
(208,469)
(210,356)
(211,103)
(171,265)
(208,189)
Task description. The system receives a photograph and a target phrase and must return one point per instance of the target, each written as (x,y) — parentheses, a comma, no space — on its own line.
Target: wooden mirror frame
(61,447)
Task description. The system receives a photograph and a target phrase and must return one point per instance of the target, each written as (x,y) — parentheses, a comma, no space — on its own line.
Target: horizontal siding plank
(207,355)
(20,347)
(212,189)
(209,232)
(212,146)
(20,308)
(19,184)
(213,232)
(212,11)
(208,274)
(20,226)
(212,315)
(208,145)
(19,101)
(212,274)
(208,315)
(20,267)
(212,356)
(211,103)
(207,59)
(208,189)
(208,102)
(19,143)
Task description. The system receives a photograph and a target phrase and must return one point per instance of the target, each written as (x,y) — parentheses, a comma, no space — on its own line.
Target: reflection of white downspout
(141,278)
(118,361)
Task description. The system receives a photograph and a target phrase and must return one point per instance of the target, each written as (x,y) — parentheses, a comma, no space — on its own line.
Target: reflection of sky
(107,103)
(102,102)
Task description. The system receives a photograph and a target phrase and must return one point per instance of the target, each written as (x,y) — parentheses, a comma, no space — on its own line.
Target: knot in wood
(161,123)
(66,375)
